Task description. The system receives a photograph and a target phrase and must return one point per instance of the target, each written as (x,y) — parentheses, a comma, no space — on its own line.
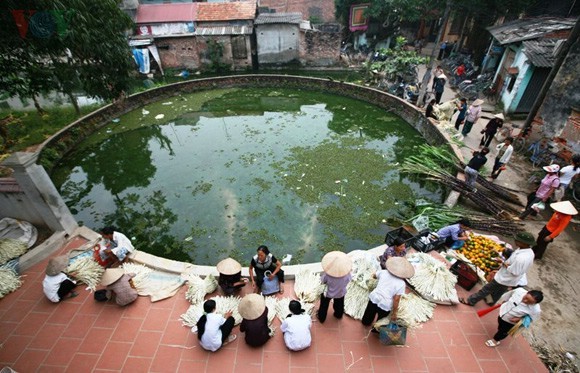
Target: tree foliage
(49,45)
(399,62)
(390,12)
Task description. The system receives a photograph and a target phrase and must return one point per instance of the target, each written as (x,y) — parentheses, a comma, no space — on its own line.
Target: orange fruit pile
(481,251)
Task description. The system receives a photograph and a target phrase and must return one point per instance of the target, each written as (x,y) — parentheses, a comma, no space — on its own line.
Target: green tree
(64,45)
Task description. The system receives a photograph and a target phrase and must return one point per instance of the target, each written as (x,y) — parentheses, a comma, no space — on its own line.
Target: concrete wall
(277,43)
(15,204)
(319,48)
(511,99)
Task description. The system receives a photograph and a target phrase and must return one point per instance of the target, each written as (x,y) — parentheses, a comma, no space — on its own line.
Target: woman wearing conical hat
(563,212)
(255,320)
(56,285)
(336,266)
(230,279)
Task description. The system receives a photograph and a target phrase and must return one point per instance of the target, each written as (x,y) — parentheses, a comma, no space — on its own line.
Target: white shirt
(296,329)
(514,307)
(517,266)
(51,284)
(387,287)
(505,158)
(122,241)
(567,173)
(211,339)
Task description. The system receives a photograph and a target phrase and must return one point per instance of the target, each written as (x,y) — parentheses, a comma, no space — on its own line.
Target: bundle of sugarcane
(271,303)
(198,287)
(86,270)
(307,286)
(440,216)
(9,281)
(359,288)
(412,311)
(433,280)
(434,172)
(10,249)
(141,274)
(223,306)
(283,310)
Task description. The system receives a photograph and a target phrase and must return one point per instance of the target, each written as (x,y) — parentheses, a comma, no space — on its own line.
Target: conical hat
(229,266)
(111,275)
(336,264)
(499,116)
(57,265)
(565,207)
(477,102)
(400,267)
(252,306)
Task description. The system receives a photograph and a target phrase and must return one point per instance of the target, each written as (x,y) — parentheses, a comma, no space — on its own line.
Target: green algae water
(204,176)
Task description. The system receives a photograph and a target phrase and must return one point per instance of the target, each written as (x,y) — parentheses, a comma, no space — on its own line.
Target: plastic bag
(539,206)
(270,286)
(393,334)
(421,223)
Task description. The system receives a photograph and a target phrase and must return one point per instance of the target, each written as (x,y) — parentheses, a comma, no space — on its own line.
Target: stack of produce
(271,303)
(9,281)
(86,270)
(282,310)
(198,287)
(11,248)
(141,273)
(432,279)
(412,311)
(307,286)
(359,288)
(223,305)
(481,251)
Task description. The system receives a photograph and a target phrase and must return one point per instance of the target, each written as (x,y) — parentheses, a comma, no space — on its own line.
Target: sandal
(230,339)
(465,301)
(492,343)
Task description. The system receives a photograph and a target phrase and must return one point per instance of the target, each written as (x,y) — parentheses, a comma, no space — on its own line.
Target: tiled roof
(529,28)
(225,30)
(541,52)
(166,13)
(239,10)
(269,18)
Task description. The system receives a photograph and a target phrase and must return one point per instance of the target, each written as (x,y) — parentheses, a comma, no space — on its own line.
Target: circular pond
(212,174)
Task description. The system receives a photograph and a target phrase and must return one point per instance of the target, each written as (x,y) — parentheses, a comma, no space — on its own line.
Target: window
(239,50)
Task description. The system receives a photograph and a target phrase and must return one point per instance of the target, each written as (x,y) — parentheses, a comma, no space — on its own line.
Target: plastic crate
(399,232)
(421,246)
(466,275)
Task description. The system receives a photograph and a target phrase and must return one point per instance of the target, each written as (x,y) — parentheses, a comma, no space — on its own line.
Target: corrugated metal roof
(541,52)
(224,30)
(239,10)
(529,28)
(269,18)
(189,12)
(166,13)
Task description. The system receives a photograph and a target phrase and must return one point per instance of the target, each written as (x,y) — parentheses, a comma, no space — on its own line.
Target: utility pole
(427,76)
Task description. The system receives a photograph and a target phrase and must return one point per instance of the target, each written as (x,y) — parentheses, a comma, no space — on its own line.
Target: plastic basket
(425,247)
(399,232)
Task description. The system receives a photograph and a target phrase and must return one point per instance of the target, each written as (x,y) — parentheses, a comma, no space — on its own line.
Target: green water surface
(204,176)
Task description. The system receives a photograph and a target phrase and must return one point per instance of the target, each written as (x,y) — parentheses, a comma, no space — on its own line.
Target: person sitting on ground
(384,300)
(516,305)
(455,235)
(504,153)
(296,328)
(230,279)
(471,171)
(429,110)
(262,262)
(397,249)
(119,285)
(254,312)
(117,245)
(563,212)
(213,330)
(336,276)
(56,285)
(491,129)
(510,273)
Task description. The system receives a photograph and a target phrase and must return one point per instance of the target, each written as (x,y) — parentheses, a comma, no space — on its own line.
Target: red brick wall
(321,9)
(180,52)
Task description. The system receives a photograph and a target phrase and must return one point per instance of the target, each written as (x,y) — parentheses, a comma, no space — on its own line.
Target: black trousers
(486,139)
(227,327)
(371,311)
(496,168)
(65,287)
(458,122)
(541,245)
(338,306)
(493,288)
(532,199)
(438,97)
(503,327)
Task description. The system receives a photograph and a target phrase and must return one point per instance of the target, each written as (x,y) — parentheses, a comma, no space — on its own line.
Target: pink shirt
(548,182)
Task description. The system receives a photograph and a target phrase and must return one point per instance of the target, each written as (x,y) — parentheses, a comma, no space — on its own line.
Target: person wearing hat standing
(56,285)
(230,279)
(384,300)
(510,273)
(119,285)
(336,266)
(491,129)
(255,320)
(213,330)
(504,153)
(473,114)
(296,328)
(557,223)
(547,187)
